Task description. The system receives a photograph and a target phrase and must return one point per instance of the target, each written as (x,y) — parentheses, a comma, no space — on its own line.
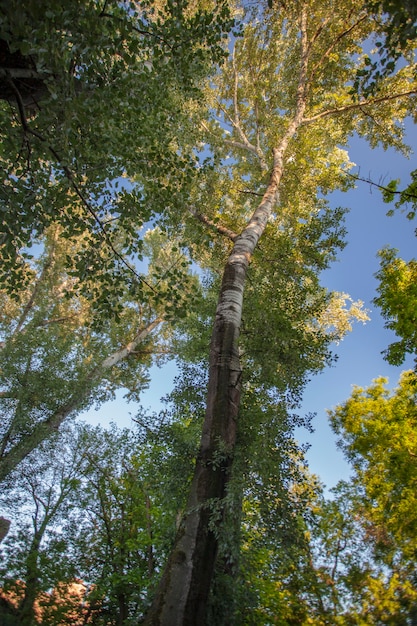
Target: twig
(406,194)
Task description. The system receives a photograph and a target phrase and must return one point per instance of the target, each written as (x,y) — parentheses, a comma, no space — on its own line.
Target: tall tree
(287,90)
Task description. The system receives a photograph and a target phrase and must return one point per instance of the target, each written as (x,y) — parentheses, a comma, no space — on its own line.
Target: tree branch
(333,44)
(222,230)
(358,105)
(405,194)
(236,123)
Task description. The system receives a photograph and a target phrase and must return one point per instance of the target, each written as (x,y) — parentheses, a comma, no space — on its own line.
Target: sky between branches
(359,354)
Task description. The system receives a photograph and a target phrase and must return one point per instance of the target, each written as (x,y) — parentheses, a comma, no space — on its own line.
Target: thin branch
(405,194)
(318,32)
(103,10)
(236,122)
(258,136)
(56,320)
(372,117)
(251,193)
(140,31)
(222,230)
(301,100)
(230,142)
(333,44)
(358,105)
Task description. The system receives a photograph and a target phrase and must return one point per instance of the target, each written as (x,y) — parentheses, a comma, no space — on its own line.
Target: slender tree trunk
(182,596)
(123,609)
(183,592)
(27,605)
(150,552)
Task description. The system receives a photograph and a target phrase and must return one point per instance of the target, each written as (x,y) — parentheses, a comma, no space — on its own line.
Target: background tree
(377,430)
(54,364)
(133,68)
(124,522)
(378,437)
(93,514)
(40,500)
(357,585)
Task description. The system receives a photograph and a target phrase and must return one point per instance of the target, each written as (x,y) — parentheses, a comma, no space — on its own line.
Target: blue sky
(359,354)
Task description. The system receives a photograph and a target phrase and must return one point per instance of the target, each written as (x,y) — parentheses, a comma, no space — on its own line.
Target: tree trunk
(182,596)
(123,609)
(27,605)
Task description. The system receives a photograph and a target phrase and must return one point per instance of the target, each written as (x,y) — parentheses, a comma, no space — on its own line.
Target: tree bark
(182,596)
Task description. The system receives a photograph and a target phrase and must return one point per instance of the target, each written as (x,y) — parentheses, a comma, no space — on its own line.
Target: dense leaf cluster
(100,148)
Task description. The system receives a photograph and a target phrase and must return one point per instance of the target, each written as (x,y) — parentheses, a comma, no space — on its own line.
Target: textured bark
(182,596)
(183,592)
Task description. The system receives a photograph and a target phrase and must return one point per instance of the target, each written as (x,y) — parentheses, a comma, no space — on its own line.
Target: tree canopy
(167,172)
(98,140)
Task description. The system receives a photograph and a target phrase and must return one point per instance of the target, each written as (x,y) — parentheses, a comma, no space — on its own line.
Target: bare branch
(222,230)
(405,194)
